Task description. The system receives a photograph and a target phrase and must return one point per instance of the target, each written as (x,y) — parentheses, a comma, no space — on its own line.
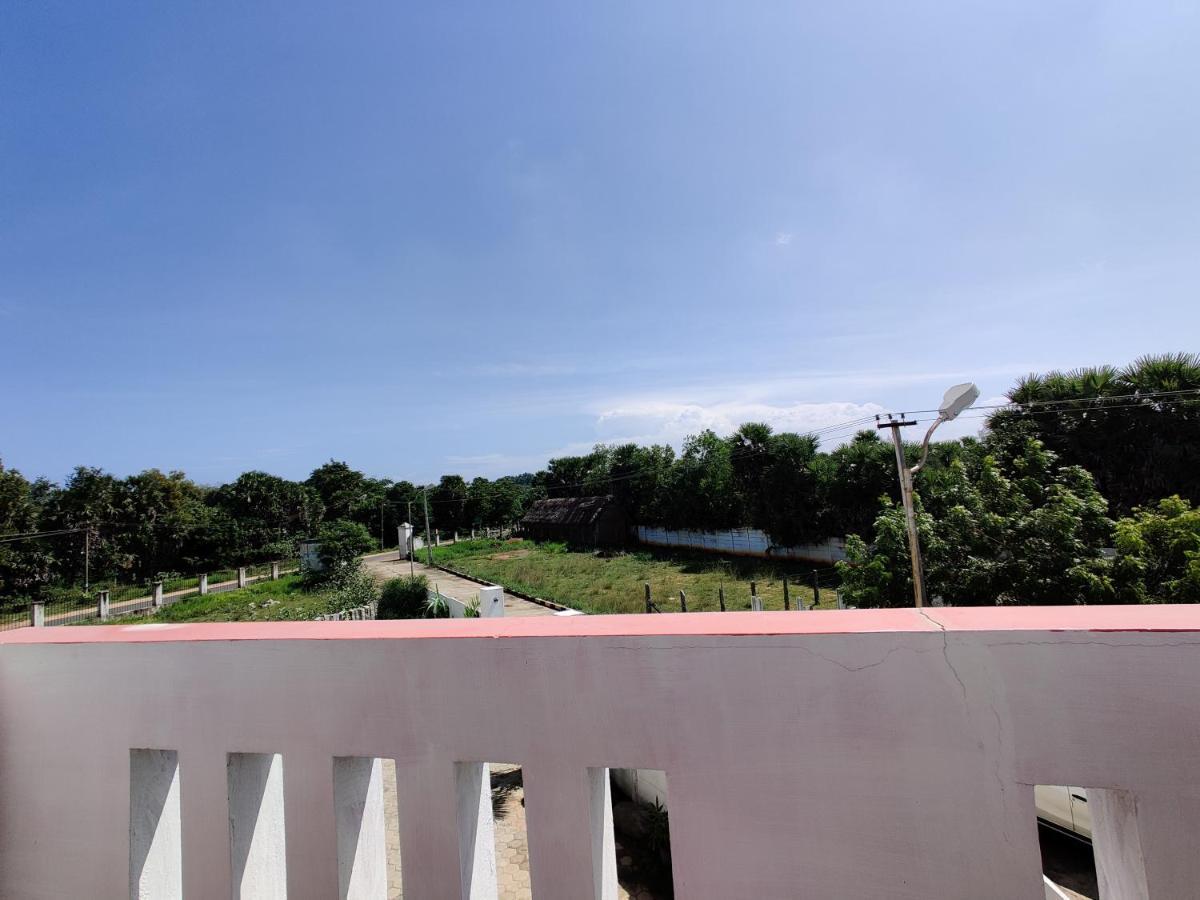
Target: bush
(404,598)
(436,607)
(351,587)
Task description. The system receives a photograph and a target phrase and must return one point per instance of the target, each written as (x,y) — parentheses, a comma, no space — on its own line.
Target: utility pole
(910,515)
(87,557)
(428,545)
(412,572)
(957,398)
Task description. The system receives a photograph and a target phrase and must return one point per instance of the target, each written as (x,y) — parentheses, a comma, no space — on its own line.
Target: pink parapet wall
(868,754)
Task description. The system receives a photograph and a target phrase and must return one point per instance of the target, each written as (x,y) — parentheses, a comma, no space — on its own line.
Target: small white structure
(491,602)
(310,556)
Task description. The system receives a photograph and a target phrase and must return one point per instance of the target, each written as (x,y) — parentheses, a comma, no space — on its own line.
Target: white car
(1064,808)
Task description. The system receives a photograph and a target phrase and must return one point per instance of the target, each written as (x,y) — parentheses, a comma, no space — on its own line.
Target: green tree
(639,478)
(342,543)
(788,507)
(343,491)
(994,530)
(701,493)
(1136,429)
(1158,554)
(449,497)
(751,453)
(855,478)
(25,566)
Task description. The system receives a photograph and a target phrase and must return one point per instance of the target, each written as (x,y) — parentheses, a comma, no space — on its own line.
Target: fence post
(649,605)
(721,597)
(755,600)
(682,602)
(437,539)
(203,583)
(455,541)
(102,604)
(158,595)
(241,578)
(816,589)
(274,571)
(37,614)
(787,600)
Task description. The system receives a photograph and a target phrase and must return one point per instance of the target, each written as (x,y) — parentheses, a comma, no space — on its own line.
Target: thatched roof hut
(578,521)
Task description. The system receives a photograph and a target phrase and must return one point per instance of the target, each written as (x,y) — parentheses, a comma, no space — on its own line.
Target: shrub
(351,587)
(436,607)
(404,598)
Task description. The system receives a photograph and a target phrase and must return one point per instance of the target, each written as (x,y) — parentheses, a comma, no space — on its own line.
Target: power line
(1179,402)
(1151,396)
(31,535)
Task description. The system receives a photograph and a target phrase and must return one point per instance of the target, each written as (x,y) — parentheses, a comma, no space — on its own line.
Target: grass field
(596,584)
(267,601)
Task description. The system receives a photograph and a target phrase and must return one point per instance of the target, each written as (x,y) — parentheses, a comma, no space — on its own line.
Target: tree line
(130,530)
(1080,463)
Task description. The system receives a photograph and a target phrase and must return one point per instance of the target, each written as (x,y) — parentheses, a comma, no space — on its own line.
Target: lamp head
(957,399)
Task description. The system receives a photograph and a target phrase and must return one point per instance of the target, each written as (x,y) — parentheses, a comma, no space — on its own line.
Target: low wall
(491,602)
(643,785)
(742,542)
(856,755)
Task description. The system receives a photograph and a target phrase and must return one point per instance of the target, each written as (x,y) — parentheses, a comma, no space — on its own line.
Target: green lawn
(268,601)
(596,584)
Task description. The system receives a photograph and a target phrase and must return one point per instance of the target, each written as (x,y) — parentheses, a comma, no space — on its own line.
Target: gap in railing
(493,840)
(155,844)
(641,841)
(1065,836)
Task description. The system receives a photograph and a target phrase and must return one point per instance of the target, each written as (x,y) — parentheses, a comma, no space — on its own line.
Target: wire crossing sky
(429,238)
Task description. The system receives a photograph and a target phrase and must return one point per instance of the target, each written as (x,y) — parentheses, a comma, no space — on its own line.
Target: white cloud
(670,422)
(783,238)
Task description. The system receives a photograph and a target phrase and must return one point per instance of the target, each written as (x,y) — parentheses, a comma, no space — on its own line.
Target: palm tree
(1139,450)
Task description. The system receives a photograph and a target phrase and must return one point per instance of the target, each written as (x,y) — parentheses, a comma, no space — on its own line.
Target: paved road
(386,565)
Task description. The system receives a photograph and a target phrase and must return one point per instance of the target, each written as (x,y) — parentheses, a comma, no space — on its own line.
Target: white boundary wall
(742,542)
(491,602)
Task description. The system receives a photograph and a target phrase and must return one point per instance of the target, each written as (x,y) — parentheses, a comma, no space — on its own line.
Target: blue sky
(443,237)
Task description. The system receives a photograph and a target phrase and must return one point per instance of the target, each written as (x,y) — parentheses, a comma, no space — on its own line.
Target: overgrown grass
(599,584)
(284,600)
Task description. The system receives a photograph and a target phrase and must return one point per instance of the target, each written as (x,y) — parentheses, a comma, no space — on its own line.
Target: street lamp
(957,398)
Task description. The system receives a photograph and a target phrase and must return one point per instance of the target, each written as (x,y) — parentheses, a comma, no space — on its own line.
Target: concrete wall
(643,785)
(491,603)
(859,754)
(742,542)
